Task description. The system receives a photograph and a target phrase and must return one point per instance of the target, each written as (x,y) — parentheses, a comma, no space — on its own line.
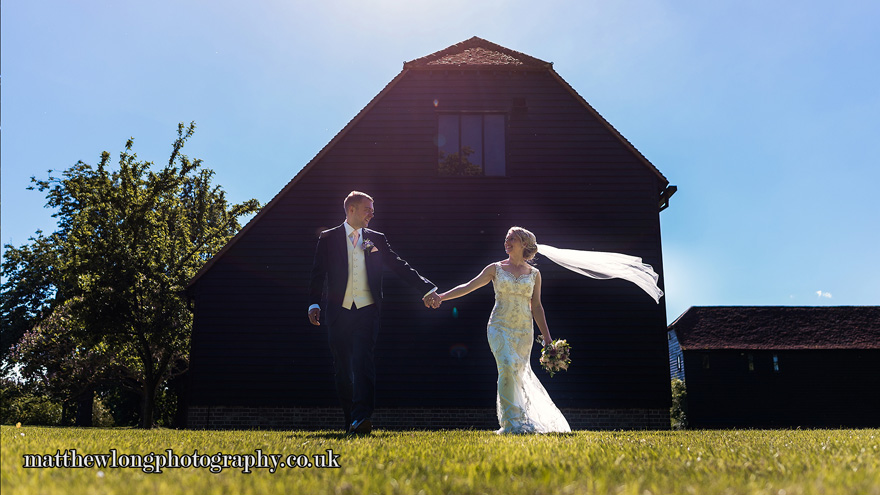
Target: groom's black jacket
(331,264)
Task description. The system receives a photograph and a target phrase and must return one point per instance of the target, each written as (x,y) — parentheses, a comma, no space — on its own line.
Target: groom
(350,258)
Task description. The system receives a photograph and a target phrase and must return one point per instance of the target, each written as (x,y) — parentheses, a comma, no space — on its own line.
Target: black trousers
(352,339)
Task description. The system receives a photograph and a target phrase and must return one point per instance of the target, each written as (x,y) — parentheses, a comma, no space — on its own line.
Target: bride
(522,403)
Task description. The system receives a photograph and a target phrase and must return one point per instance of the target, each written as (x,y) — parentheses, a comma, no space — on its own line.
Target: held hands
(315,316)
(432,300)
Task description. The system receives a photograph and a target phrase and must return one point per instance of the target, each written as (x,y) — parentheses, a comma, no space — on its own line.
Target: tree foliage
(459,164)
(54,366)
(31,288)
(128,241)
(54,363)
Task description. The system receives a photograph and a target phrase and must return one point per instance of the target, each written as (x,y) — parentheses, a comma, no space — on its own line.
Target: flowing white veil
(596,264)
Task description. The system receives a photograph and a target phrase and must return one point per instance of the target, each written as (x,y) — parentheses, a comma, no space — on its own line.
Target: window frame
(485,129)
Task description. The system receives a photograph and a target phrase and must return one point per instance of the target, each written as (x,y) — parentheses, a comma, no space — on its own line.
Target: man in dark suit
(350,258)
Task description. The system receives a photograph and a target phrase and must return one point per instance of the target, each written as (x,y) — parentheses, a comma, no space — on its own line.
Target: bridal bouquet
(555,356)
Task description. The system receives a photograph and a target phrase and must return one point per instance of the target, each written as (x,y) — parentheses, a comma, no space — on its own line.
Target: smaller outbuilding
(778,366)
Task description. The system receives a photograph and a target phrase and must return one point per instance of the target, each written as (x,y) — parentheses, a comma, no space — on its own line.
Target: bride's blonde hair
(528,240)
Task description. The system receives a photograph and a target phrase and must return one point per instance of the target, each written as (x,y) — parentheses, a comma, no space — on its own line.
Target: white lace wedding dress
(522,403)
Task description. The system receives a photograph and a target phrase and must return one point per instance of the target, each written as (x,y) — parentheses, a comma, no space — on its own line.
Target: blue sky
(766,116)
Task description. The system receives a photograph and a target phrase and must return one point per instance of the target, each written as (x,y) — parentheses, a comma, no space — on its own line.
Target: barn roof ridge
(778,327)
(470,44)
(477,53)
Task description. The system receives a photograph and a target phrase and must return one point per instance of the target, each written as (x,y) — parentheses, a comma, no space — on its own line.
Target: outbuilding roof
(778,327)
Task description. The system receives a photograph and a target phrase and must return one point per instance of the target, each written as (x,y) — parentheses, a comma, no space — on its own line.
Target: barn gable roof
(778,327)
(474,53)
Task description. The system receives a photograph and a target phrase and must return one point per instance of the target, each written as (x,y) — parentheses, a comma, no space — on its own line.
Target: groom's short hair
(355,197)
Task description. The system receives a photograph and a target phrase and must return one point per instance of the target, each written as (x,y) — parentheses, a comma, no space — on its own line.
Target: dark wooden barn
(778,366)
(461,145)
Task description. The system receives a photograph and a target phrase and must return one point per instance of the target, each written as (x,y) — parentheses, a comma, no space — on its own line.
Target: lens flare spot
(458,351)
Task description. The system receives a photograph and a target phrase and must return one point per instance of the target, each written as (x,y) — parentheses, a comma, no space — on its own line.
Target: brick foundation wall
(298,418)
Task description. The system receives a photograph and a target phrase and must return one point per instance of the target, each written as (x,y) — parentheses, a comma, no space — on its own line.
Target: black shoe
(361,427)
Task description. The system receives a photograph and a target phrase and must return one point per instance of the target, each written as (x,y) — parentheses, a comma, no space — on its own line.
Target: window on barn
(471,144)
(705,361)
(680,363)
(776,363)
(751,362)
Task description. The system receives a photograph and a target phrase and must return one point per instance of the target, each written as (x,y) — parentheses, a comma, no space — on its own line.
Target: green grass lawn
(781,462)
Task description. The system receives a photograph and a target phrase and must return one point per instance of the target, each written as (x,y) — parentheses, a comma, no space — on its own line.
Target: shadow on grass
(338,435)
(332,435)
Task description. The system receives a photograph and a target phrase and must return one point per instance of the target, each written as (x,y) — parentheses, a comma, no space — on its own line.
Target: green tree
(31,290)
(53,364)
(128,241)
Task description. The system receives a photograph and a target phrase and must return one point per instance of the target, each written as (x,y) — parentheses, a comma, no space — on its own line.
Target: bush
(678,411)
(19,405)
(101,415)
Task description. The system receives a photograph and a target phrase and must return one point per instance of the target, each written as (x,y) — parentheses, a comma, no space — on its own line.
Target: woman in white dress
(523,404)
